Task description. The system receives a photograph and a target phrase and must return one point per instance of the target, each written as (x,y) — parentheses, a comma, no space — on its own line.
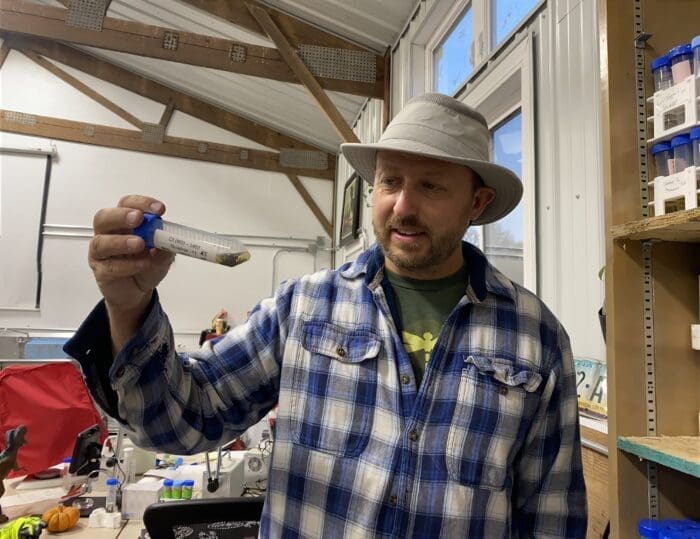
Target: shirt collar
(483,277)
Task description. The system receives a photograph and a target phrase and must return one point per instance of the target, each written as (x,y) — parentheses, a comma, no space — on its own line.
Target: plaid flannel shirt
(487,446)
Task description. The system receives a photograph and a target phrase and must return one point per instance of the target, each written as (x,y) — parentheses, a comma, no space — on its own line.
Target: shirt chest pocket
(334,389)
(495,403)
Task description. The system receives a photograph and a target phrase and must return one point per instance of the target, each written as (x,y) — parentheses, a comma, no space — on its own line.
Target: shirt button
(134,351)
(393,500)
(405,379)
(120,372)
(340,351)
(502,390)
(413,435)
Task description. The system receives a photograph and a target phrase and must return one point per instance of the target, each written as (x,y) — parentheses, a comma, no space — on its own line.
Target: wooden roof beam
(4,51)
(156,91)
(311,203)
(128,139)
(166,44)
(307,78)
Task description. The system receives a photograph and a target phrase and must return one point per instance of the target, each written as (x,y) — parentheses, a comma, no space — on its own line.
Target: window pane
(507,14)
(503,240)
(451,63)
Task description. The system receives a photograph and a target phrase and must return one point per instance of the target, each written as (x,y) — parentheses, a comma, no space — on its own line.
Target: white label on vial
(168,242)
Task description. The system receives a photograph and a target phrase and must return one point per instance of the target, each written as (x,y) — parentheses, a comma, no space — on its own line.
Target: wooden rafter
(311,203)
(156,91)
(167,114)
(307,78)
(166,44)
(84,88)
(126,139)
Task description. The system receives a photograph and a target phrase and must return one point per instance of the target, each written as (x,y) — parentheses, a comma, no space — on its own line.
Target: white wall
(569,193)
(84,178)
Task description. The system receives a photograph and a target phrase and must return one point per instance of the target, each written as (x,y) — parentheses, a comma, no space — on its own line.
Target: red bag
(51,400)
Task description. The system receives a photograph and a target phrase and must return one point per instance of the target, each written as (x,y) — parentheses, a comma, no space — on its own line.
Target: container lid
(66,460)
(167,482)
(656,63)
(145,230)
(695,133)
(177,482)
(188,483)
(679,140)
(679,51)
(112,481)
(649,527)
(660,147)
(695,43)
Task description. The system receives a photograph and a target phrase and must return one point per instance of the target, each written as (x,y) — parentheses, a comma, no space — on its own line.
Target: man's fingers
(119,267)
(126,216)
(143,203)
(105,246)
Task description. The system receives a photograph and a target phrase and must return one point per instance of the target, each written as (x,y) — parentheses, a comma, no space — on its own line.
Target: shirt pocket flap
(506,372)
(348,346)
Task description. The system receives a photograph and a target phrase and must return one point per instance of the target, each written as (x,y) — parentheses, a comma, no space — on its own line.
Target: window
(507,15)
(451,59)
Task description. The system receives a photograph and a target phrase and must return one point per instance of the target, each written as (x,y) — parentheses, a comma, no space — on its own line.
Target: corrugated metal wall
(570,235)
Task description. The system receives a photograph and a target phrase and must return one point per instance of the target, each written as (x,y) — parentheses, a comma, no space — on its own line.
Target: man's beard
(440,248)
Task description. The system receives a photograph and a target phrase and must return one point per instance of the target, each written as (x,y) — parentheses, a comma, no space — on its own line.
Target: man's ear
(482,198)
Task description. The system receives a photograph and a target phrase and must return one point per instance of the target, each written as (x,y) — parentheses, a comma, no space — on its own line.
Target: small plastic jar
(661,69)
(177,489)
(695,144)
(649,528)
(187,486)
(111,499)
(167,489)
(681,58)
(663,158)
(695,45)
(682,153)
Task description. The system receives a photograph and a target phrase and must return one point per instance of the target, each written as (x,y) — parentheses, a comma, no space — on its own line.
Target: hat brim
(508,187)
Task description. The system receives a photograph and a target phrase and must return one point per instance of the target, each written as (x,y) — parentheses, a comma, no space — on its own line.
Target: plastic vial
(682,153)
(695,45)
(681,58)
(128,464)
(66,479)
(157,232)
(661,69)
(111,500)
(177,489)
(167,489)
(187,486)
(695,144)
(663,158)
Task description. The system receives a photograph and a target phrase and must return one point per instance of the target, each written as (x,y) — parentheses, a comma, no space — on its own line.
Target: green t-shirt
(423,307)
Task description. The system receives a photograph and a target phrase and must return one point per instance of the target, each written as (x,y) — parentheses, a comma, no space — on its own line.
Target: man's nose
(406,203)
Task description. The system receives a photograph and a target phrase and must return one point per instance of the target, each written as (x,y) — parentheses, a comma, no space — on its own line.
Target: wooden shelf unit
(674,258)
(681,453)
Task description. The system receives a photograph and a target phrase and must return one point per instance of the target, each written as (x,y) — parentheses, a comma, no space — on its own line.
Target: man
(474,434)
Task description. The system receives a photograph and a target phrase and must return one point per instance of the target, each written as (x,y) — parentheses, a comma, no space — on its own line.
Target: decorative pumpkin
(61,518)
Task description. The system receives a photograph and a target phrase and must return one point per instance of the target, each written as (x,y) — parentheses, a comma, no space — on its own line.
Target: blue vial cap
(695,43)
(649,528)
(112,481)
(145,230)
(167,482)
(680,50)
(680,140)
(660,62)
(177,482)
(66,460)
(660,147)
(188,483)
(695,133)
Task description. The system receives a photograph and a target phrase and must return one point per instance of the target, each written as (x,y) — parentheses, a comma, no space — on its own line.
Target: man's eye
(387,182)
(432,187)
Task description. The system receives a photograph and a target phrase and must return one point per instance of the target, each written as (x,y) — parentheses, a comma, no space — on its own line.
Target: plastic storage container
(663,158)
(661,69)
(669,529)
(695,145)
(111,499)
(187,486)
(177,489)
(167,492)
(128,464)
(695,45)
(157,232)
(681,59)
(682,152)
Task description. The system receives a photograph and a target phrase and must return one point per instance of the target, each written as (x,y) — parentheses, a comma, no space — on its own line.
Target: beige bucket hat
(441,127)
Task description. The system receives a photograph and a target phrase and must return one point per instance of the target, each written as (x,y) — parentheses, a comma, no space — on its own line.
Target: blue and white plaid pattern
(488,446)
